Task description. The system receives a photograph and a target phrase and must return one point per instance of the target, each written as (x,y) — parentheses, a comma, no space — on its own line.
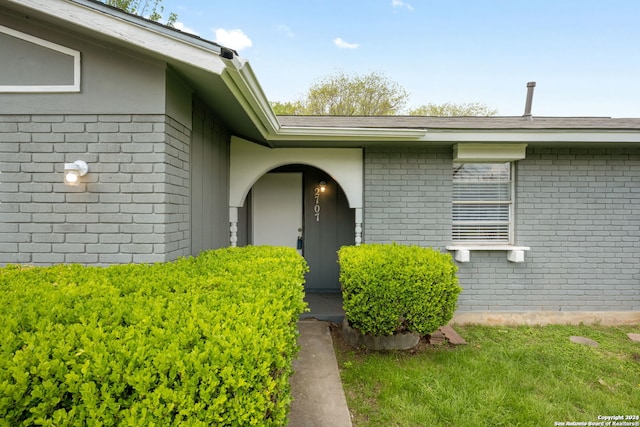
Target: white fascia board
(597,136)
(147,38)
(364,134)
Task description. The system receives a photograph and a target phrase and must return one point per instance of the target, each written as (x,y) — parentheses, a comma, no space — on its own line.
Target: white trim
(509,203)
(250,161)
(462,253)
(532,136)
(364,134)
(488,153)
(75,87)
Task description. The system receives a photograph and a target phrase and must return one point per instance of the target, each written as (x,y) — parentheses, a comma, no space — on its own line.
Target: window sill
(462,253)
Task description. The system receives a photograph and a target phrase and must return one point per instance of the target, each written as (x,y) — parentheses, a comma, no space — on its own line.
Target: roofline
(151,37)
(362,137)
(153,25)
(131,30)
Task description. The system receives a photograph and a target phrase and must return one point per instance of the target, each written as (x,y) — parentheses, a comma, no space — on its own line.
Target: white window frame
(74,87)
(463,248)
(473,152)
(509,203)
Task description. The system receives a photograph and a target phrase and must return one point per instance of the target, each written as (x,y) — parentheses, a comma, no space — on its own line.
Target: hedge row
(200,341)
(394,288)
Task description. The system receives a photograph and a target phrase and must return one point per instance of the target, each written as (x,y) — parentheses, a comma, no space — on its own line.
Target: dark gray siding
(210,181)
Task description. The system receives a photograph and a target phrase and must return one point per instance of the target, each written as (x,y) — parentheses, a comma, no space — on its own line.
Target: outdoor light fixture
(323,186)
(73,172)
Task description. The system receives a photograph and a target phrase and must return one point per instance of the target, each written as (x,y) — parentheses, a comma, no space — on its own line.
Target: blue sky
(583,54)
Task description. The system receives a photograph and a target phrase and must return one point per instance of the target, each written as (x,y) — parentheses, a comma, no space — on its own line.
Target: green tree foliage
(288,108)
(151,9)
(340,94)
(449,109)
(372,94)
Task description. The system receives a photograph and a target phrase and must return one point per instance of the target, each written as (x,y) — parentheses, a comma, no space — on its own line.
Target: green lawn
(505,376)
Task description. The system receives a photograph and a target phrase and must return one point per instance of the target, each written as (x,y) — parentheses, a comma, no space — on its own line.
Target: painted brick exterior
(133,206)
(577,209)
(407,195)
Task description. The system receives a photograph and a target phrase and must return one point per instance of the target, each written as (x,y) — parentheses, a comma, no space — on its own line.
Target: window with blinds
(482,203)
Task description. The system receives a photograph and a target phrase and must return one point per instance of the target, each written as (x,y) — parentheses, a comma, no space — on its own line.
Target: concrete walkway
(318,397)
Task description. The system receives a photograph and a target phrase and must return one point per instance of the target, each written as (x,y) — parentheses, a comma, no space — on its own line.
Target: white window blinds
(482,203)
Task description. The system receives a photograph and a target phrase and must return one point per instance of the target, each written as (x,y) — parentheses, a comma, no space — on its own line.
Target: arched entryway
(270,188)
(302,207)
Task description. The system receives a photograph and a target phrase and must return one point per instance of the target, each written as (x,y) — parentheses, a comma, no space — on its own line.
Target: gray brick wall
(578,210)
(407,196)
(133,206)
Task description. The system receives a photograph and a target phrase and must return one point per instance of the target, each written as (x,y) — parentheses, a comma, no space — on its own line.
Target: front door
(328,225)
(289,208)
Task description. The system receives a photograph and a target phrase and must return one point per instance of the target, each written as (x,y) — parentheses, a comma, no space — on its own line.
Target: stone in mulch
(446,333)
(584,341)
(634,337)
(436,338)
(452,336)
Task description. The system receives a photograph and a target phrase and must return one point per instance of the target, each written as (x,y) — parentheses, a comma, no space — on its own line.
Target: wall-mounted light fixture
(73,172)
(323,186)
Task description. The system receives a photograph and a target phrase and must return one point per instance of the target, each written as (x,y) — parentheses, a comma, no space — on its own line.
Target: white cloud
(234,39)
(180,26)
(400,3)
(344,45)
(286,31)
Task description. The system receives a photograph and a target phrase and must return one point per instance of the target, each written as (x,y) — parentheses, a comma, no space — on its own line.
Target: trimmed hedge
(200,341)
(392,288)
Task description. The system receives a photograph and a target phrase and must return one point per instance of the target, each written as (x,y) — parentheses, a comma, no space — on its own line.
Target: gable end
(35,65)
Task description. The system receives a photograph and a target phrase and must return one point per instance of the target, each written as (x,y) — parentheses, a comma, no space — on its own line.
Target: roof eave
(164,43)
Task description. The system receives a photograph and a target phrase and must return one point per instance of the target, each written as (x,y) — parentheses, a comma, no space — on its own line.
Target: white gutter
(304,133)
(242,81)
(600,136)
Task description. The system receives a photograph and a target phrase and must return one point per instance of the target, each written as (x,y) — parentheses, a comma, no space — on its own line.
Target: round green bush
(394,288)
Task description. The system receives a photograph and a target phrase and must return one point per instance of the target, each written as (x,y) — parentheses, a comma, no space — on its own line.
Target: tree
(449,110)
(288,108)
(151,9)
(341,95)
(368,95)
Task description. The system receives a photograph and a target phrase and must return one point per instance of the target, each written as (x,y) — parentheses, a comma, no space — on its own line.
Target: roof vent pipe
(527,105)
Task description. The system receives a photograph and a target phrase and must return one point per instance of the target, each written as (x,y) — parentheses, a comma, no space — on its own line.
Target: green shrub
(200,341)
(393,288)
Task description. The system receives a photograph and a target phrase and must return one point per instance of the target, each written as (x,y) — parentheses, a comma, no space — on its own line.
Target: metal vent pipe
(527,105)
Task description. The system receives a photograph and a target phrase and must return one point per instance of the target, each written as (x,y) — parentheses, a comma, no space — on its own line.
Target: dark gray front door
(328,225)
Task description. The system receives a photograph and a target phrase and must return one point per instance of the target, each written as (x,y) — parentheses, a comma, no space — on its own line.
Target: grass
(505,376)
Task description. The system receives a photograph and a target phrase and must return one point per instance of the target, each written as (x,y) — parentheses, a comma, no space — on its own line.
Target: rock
(584,341)
(634,337)
(452,336)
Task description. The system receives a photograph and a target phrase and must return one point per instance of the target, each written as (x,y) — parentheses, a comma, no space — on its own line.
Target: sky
(584,55)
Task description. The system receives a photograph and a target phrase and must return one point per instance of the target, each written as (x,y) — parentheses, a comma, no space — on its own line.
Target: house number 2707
(316,207)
